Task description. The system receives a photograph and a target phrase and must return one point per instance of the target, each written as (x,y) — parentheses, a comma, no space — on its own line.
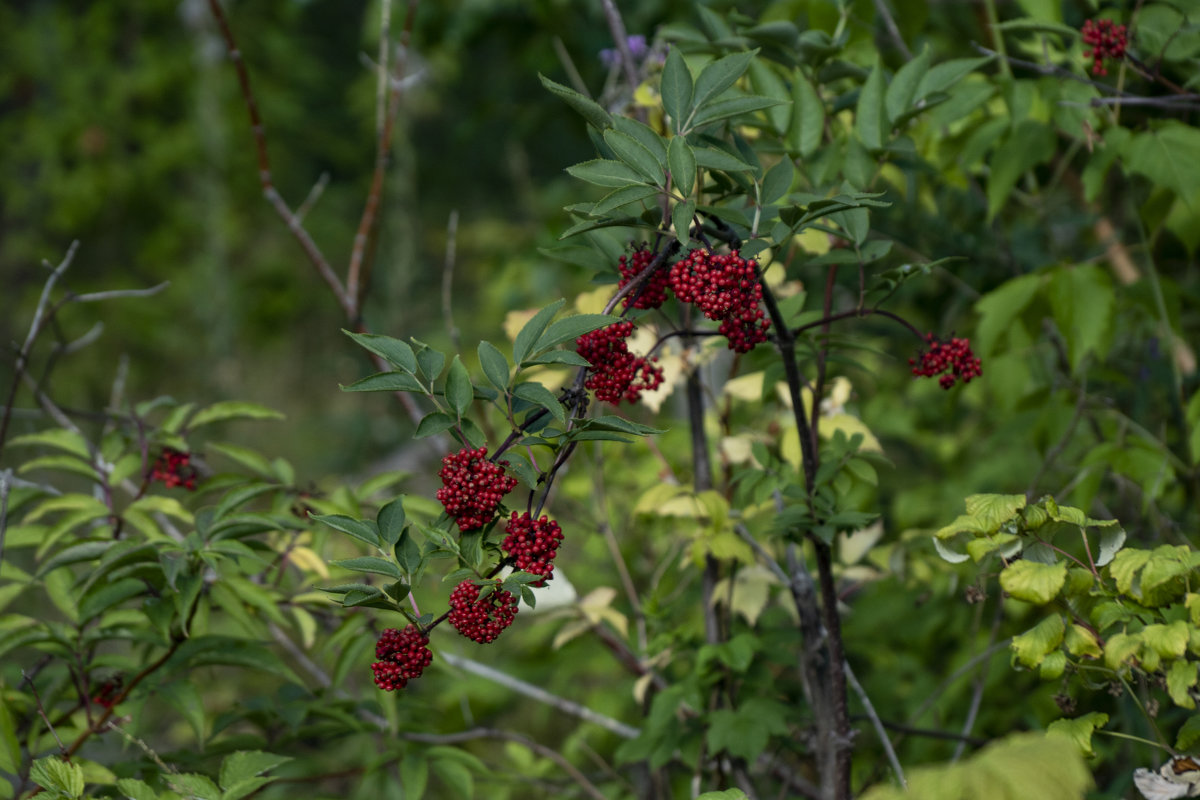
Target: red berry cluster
(532,545)
(616,373)
(481,620)
(1107,41)
(403,655)
(653,291)
(472,487)
(952,360)
(173,468)
(726,288)
(107,693)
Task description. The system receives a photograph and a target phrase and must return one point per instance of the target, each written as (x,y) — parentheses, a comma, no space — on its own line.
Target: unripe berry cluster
(1107,41)
(173,467)
(617,374)
(653,291)
(473,487)
(532,544)
(726,288)
(481,620)
(953,360)
(403,655)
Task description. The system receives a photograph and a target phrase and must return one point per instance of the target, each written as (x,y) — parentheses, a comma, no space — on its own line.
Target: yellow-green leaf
(1031,647)
(1121,648)
(1169,641)
(1079,730)
(1033,581)
(1180,678)
(1082,643)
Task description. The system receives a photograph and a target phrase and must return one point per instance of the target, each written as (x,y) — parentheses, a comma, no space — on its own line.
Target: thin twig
(495,733)
(37,698)
(954,676)
(877,723)
(92,297)
(889,22)
(616,27)
(568,65)
(541,695)
(977,692)
(314,194)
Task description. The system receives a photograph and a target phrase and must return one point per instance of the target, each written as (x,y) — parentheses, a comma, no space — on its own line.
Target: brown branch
(358,276)
(264,168)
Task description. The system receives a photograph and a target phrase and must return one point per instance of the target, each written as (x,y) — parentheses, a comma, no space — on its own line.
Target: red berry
(953,360)
(532,545)
(403,655)
(173,467)
(473,487)
(481,620)
(653,291)
(1107,41)
(617,374)
(726,288)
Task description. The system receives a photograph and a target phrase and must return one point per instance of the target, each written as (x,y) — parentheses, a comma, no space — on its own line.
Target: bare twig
(616,27)
(93,297)
(541,695)
(977,692)
(272,195)
(568,64)
(889,22)
(314,194)
(495,733)
(877,723)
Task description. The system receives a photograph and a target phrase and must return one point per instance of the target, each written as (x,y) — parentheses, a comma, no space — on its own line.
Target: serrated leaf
(712,158)
(135,789)
(240,766)
(587,108)
(408,552)
(1120,648)
(541,396)
(719,75)
(434,423)
(942,76)
(625,196)
(1079,730)
(362,529)
(371,564)
(1181,677)
(636,155)
(459,392)
(390,522)
(682,162)
(808,117)
(569,357)
(570,328)
(231,409)
(397,353)
(385,382)
(777,181)
(1081,642)
(681,219)
(1169,641)
(606,172)
(532,330)
(676,88)
(495,365)
(1033,582)
(53,773)
(732,107)
(97,602)
(870,118)
(194,786)
(1031,647)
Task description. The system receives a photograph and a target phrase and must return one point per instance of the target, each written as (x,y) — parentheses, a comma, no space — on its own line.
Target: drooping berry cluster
(653,291)
(953,360)
(481,619)
(173,467)
(473,487)
(726,288)
(617,374)
(532,544)
(1107,41)
(403,655)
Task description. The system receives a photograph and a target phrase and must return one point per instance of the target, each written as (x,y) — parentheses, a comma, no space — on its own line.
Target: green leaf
(541,396)
(1189,734)
(676,88)
(385,382)
(1079,730)
(719,75)
(682,162)
(390,521)
(712,158)
(568,329)
(1031,647)
(777,182)
(871,119)
(732,107)
(196,787)
(943,76)
(433,423)
(57,775)
(645,135)
(625,196)
(1082,643)
(430,362)
(1120,648)
(10,747)
(456,776)
(587,108)
(1084,306)
(808,117)
(240,766)
(397,353)
(606,172)
(681,218)
(993,510)
(57,438)
(104,598)
(414,775)
(371,564)
(1033,582)
(560,357)
(459,392)
(495,365)
(232,409)
(1169,641)
(408,553)
(135,789)
(728,794)
(532,331)
(361,529)
(1000,307)
(636,155)
(1031,143)
(1181,677)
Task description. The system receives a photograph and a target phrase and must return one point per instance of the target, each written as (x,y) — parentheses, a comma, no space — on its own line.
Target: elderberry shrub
(473,487)
(617,374)
(481,619)
(953,360)
(1107,40)
(403,655)
(653,292)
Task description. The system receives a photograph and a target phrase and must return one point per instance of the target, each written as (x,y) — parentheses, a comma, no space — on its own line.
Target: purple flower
(638,48)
